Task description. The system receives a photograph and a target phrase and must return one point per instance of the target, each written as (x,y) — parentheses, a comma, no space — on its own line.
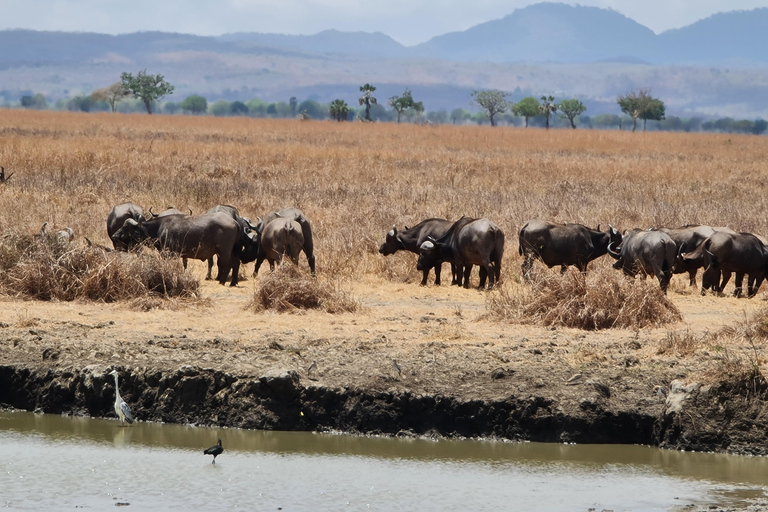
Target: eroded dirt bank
(461,374)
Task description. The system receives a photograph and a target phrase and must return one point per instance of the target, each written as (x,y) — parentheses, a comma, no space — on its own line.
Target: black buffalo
(198,237)
(117,218)
(646,253)
(306,231)
(563,244)
(282,236)
(467,242)
(723,254)
(410,239)
(249,250)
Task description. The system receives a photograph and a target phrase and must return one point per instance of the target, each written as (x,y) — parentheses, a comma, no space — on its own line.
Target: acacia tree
(639,104)
(405,103)
(339,110)
(547,107)
(195,104)
(147,88)
(493,102)
(111,94)
(367,99)
(526,108)
(655,111)
(571,109)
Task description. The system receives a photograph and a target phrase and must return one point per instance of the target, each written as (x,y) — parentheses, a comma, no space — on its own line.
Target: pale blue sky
(408,21)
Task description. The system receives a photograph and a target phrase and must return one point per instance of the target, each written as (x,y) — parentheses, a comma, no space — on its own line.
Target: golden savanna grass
(355,180)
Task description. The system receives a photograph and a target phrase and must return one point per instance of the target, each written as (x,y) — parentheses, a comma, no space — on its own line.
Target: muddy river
(54,462)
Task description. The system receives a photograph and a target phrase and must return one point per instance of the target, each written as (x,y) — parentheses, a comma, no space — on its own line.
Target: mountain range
(715,66)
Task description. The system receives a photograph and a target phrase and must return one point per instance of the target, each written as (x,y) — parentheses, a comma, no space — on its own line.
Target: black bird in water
(214,450)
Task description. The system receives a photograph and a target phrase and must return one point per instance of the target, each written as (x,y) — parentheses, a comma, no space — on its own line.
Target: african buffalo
(410,239)
(282,236)
(726,253)
(250,244)
(686,239)
(646,253)
(116,219)
(467,242)
(169,211)
(563,244)
(306,231)
(198,237)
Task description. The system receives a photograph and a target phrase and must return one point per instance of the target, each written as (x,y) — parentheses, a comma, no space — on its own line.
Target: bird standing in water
(214,450)
(121,408)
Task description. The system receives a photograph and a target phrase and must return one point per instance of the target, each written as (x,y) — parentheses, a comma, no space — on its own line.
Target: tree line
(145,92)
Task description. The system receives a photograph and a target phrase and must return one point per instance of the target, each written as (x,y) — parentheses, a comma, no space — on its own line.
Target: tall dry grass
(354,181)
(600,299)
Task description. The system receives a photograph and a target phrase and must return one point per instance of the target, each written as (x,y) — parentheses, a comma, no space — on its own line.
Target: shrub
(601,299)
(47,270)
(289,288)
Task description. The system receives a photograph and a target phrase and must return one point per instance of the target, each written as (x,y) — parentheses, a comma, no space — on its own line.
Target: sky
(407,21)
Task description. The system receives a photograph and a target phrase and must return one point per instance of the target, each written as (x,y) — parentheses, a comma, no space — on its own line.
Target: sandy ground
(440,337)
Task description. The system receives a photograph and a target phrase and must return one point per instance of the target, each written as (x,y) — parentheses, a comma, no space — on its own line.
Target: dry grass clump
(289,288)
(680,343)
(601,299)
(47,270)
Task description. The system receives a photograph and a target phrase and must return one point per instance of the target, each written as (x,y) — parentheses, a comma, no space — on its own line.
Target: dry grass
(601,299)
(44,269)
(354,181)
(290,289)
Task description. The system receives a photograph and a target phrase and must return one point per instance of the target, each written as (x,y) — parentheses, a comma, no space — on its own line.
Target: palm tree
(367,99)
(548,107)
(339,110)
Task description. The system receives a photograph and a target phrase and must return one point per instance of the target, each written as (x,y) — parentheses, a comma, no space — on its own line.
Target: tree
(367,99)
(37,101)
(405,103)
(339,110)
(460,115)
(639,104)
(526,108)
(238,108)
(293,102)
(220,108)
(571,109)
(655,111)
(547,108)
(195,104)
(492,101)
(111,94)
(147,88)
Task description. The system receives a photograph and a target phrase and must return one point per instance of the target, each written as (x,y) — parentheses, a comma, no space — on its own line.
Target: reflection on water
(54,462)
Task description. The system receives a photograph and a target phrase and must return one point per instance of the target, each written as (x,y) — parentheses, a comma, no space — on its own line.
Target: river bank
(216,362)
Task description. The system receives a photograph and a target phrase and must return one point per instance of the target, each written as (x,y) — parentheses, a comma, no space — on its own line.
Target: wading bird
(214,450)
(121,408)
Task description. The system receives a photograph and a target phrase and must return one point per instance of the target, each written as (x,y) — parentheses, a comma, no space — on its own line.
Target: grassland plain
(465,371)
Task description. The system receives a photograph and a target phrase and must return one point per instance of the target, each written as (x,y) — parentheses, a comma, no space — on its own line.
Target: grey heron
(214,450)
(121,408)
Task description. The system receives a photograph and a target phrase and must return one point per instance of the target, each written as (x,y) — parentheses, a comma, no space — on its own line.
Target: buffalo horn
(153,214)
(613,253)
(427,246)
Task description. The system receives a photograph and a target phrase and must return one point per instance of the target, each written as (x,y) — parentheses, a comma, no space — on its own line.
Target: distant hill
(715,66)
(328,41)
(546,32)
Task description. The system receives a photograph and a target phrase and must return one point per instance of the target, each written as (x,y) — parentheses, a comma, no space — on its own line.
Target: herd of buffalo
(660,252)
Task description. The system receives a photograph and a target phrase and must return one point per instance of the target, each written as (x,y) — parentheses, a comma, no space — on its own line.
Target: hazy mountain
(328,41)
(546,32)
(715,66)
(737,37)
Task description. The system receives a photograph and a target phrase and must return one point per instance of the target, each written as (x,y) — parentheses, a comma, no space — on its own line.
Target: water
(55,463)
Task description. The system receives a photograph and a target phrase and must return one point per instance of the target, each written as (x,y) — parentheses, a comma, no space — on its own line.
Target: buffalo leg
(259,261)
(438,271)
(755,284)
(467,271)
(739,282)
(726,278)
(424,276)
(311,261)
(692,277)
(235,272)
(455,274)
(484,276)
